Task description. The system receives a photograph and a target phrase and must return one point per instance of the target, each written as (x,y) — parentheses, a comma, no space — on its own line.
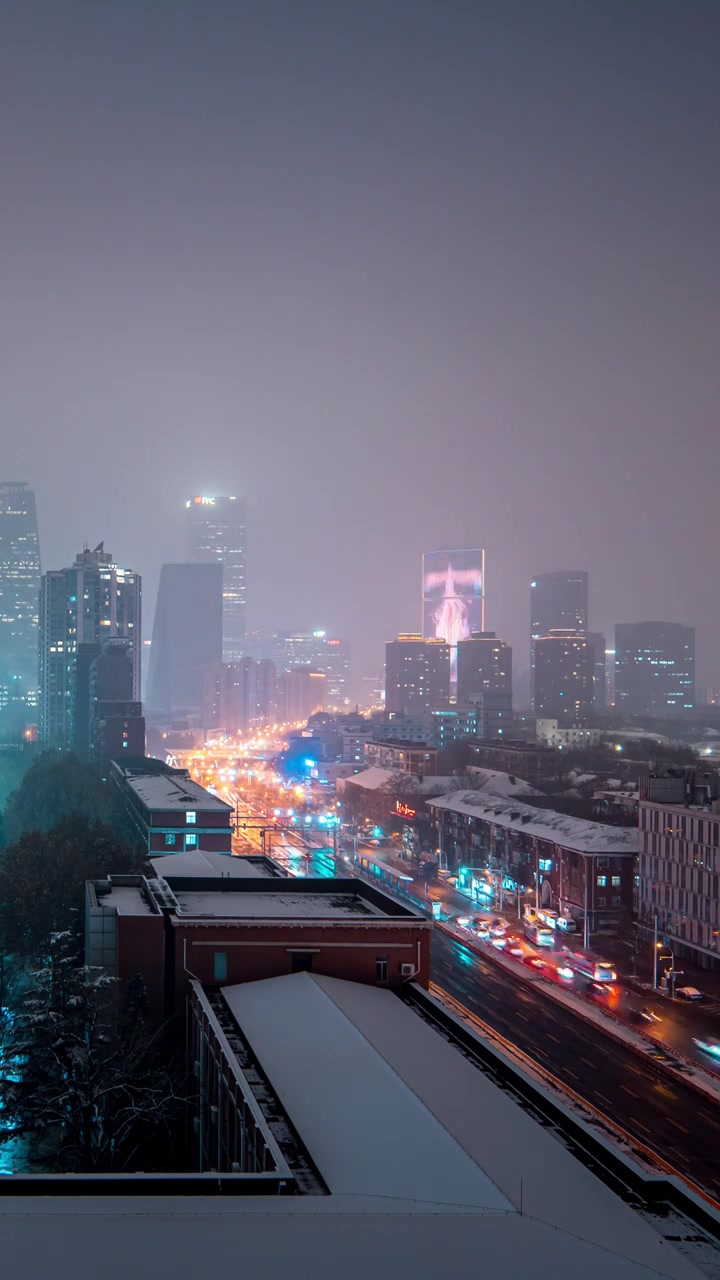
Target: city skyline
(415,293)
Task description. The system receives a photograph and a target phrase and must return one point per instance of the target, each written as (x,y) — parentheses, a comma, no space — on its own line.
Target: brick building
(580,869)
(170,812)
(244,927)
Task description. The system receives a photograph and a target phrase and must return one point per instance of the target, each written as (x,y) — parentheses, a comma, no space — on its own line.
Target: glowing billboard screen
(453,593)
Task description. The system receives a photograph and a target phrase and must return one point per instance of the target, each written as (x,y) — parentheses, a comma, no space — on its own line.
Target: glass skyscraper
(19,594)
(217,534)
(92,601)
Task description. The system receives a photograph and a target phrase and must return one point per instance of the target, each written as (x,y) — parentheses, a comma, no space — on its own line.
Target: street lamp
(669,956)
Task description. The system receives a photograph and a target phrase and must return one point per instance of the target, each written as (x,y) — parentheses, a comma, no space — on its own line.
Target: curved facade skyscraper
(216,530)
(19,595)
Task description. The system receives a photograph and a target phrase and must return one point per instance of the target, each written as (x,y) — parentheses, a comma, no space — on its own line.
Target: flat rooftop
(578,834)
(279,906)
(168,791)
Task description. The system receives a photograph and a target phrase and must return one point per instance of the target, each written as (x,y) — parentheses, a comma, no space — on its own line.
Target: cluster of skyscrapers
(204,667)
(573,674)
(71,645)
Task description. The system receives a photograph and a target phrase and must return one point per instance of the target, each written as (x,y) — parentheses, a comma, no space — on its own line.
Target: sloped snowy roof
(208,864)
(578,834)
(486,780)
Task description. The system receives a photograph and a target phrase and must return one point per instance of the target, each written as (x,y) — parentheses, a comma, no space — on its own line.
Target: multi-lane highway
(659,1110)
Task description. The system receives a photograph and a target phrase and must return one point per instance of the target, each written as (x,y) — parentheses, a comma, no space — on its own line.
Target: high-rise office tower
(417,674)
(563,677)
(654,668)
(558,602)
(301,692)
(92,601)
(217,533)
(597,643)
(230,700)
(484,679)
(19,594)
(267,692)
(320,651)
(187,638)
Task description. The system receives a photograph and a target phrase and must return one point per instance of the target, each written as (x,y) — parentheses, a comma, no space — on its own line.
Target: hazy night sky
(407,274)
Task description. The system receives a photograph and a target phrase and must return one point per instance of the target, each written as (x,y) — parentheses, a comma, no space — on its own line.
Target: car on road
(710,1045)
(534,962)
(688,993)
(512,946)
(648,1016)
(498,927)
(482,929)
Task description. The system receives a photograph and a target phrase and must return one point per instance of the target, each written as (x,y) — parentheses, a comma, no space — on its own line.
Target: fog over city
(405,276)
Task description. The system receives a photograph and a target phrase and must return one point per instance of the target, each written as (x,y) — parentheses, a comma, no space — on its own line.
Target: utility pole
(655,953)
(586,929)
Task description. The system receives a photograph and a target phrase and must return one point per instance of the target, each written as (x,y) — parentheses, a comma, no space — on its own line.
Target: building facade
(171,813)
(19,595)
(563,677)
(654,668)
(583,870)
(417,674)
(558,602)
(178,929)
(217,533)
(91,602)
(484,679)
(406,757)
(187,638)
(678,884)
(597,643)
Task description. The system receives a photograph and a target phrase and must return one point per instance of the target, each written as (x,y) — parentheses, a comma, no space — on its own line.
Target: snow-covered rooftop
(168,791)
(409,1131)
(207,864)
(579,834)
(485,780)
(369,1134)
(284,906)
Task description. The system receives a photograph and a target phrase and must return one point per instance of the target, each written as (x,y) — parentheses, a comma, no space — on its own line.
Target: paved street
(659,1110)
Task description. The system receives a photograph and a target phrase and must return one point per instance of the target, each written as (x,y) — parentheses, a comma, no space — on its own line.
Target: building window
(169,840)
(615,882)
(191,817)
(191,841)
(220,966)
(601,882)
(381,969)
(301,962)
(599,902)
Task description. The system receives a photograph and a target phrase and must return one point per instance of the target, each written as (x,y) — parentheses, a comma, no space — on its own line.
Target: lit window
(615,882)
(191,841)
(601,882)
(191,817)
(169,839)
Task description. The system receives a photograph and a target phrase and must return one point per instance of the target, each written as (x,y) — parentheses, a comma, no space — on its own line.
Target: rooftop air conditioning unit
(407,970)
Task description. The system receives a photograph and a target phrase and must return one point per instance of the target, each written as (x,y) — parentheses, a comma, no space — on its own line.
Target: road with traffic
(659,1110)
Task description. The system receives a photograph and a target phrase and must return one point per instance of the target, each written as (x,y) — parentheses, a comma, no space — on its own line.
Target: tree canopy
(57,786)
(42,880)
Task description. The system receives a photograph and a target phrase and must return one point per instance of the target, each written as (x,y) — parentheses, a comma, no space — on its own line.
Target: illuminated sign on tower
(453,587)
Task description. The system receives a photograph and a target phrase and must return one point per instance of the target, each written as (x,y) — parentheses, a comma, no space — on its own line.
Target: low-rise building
(548,730)
(248,926)
(583,870)
(405,757)
(528,760)
(171,812)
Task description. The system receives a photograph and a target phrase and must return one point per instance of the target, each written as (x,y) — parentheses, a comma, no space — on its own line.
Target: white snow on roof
(284,906)
(206,863)
(395,1118)
(490,780)
(167,791)
(579,834)
(368,1134)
